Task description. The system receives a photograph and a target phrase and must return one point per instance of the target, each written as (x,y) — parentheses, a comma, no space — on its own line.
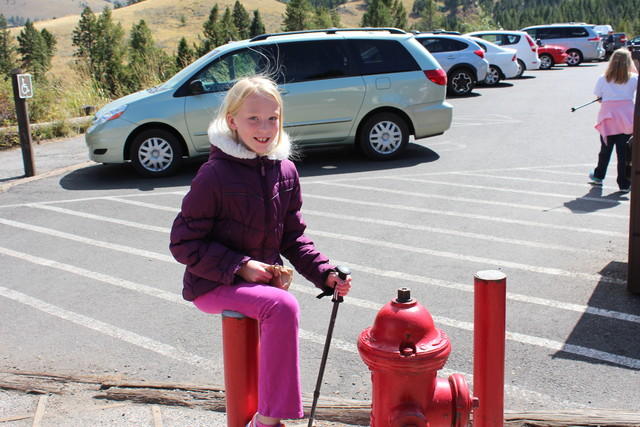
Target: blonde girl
(240,216)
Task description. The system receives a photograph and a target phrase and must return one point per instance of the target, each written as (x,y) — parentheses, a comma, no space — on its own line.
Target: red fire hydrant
(404,350)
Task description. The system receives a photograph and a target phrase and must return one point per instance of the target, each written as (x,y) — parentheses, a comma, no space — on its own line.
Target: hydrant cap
(403,329)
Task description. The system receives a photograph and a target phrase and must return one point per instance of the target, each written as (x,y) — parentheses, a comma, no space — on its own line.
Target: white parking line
(469,215)
(111,330)
(512,336)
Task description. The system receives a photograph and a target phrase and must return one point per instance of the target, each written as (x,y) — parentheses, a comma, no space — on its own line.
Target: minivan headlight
(111,114)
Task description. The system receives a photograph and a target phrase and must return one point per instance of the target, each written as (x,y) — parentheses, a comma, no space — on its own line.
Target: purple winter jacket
(240,207)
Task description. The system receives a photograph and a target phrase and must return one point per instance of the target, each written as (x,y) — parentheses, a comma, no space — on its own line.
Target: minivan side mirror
(196,87)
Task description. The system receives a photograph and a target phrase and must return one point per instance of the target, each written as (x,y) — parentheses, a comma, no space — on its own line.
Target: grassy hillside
(164,18)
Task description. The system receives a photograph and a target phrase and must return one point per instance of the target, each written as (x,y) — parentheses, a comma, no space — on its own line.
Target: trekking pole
(584,105)
(343,272)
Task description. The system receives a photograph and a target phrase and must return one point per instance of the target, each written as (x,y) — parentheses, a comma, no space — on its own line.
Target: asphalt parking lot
(89,288)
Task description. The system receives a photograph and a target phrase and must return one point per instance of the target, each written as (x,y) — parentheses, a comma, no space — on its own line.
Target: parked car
(526,47)
(634,44)
(372,87)
(461,59)
(581,41)
(503,61)
(550,55)
(613,41)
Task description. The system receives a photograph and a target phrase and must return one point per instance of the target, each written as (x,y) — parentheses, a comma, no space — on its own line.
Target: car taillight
(515,58)
(623,39)
(438,76)
(479,52)
(595,39)
(532,45)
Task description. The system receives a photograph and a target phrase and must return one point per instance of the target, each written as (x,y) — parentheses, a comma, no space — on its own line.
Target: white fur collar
(220,136)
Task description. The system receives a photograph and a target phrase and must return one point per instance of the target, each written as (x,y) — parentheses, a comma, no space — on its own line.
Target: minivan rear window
(381,56)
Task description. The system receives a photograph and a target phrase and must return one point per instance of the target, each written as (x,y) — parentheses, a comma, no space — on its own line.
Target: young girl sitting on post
(240,215)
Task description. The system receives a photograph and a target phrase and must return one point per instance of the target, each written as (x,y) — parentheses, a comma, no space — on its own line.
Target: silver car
(373,88)
(581,41)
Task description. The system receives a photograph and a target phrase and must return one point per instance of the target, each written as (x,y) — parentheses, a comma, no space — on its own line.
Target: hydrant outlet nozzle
(404,295)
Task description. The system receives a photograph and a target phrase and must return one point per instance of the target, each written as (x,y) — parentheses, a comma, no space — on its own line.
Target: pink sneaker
(255,423)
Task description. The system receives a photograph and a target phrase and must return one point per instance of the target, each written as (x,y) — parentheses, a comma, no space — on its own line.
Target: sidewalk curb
(25,180)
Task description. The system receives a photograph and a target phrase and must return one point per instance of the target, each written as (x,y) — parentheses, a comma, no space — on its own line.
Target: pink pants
(277,312)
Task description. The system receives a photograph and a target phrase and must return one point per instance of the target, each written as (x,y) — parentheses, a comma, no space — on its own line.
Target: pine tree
(108,55)
(297,16)
(257,27)
(210,28)
(7,50)
(36,50)
(241,20)
(228,30)
(377,15)
(84,35)
(185,54)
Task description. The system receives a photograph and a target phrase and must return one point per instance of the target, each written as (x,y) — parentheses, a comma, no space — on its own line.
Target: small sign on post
(22,89)
(25,90)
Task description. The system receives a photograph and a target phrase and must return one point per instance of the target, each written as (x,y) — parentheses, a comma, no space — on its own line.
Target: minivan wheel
(156,153)
(384,136)
(460,83)
(546,61)
(574,58)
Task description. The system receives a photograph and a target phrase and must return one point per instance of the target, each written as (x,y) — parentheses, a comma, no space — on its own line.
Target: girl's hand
(335,282)
(254,272)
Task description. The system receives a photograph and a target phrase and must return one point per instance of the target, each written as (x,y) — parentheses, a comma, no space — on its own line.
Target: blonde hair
(240,91)
(620,67)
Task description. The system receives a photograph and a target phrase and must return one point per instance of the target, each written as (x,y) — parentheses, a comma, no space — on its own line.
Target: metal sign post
(22,89)
(633,265)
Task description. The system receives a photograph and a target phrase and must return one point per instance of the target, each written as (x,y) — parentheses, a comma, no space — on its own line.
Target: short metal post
(240,341)
(489,347)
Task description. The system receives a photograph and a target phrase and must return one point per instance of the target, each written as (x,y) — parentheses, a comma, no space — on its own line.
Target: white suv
(527,49)
(462,59)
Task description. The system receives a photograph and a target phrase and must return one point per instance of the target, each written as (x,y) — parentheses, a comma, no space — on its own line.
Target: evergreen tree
(36,50)
(241,20)
(7,50)
(257,27)
(84,34)
(148,64)
(211,27)
(298,16)
(322,18)
(399,14)
(228,30)
(185,54)
(377,15)
(108,55)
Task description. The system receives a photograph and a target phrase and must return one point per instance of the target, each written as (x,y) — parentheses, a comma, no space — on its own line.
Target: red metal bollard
(490,293)
(404,350)
(240,342)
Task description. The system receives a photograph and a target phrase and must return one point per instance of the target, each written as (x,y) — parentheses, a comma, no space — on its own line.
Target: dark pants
(620,142)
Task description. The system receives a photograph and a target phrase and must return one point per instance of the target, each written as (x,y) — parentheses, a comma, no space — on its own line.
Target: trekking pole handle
(343,272)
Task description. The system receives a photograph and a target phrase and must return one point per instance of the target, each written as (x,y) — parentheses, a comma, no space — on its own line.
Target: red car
(551,55)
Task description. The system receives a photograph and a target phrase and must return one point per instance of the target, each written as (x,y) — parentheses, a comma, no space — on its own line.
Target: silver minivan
(581,41)
(372,87)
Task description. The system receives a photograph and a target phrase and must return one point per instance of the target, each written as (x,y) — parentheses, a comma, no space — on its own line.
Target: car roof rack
(440,31)
(328,31)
